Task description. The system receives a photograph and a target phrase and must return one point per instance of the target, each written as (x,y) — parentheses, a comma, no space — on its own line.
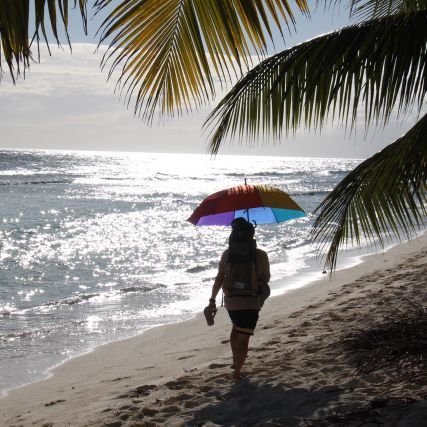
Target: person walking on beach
(243,275)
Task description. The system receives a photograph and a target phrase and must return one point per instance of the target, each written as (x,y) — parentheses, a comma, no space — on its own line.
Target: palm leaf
(15,45)
(380,64)
(385,193)
(368,9)
(168,52)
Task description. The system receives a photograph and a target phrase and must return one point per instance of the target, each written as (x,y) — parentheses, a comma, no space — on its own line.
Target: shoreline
(93,381)
(309,276)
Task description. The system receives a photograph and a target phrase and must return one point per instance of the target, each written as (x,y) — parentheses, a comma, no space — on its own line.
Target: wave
(71,300)
(270,174)
(82,298)
(200,268)
(179,284)
(160,176)
(337,173)
(68,301)
(276,174)
(340,172)
(116,178)
(293,173)
(16,335)
(295,243)
(6,310)
(57,181)
(134,289)
(197,269)
(13,336)
(309,193)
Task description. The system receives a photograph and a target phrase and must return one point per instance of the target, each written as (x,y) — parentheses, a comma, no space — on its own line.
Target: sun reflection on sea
(96,247)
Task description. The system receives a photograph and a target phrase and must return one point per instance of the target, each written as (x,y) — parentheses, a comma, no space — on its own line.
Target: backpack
(240,274)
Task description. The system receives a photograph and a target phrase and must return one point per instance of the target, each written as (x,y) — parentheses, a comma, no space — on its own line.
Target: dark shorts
(244,321)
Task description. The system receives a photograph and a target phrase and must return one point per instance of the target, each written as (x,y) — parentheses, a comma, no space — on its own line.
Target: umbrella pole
(247,210)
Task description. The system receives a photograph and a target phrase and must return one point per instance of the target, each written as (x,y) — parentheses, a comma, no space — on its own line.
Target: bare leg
(241,352)
(233,343)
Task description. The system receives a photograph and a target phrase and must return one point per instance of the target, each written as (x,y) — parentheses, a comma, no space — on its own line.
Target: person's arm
(263,279)
(219,280)
(264,271)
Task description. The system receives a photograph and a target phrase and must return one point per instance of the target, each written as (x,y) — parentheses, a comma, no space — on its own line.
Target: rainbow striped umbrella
(260,204)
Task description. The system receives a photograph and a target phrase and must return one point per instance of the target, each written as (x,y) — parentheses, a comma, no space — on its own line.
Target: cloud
(62,73)
(65,102)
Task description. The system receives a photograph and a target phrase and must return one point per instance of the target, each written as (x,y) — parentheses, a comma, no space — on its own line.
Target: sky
(65,102)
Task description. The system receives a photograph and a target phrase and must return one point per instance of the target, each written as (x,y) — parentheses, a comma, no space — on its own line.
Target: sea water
(95,247)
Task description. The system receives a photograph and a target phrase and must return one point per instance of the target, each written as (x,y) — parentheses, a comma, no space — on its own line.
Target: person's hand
(212,302)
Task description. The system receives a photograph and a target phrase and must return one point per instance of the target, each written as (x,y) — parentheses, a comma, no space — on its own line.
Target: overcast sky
(65,102)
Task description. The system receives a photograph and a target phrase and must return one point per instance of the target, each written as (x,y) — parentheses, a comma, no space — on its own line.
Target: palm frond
(370,9)
(384,194)
(168,52)
(14,46)
(380,64)
(15,40)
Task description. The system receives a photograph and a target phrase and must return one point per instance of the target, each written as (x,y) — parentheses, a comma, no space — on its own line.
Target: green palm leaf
(380,64)
(169,51)
(386,193)
(15,44)
(368,9)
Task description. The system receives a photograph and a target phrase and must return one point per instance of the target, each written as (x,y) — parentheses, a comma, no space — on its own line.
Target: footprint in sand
(295,315)
(185,357)
(143,390)
(177,385)
(268,326)
(119,379)
(272,342)
(217,365)
(190,404)
(171,409)
(150,412)
(128,408)
(54,402)
(178,398)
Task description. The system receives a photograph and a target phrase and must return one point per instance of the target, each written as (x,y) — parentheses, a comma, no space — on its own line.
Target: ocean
(95,246)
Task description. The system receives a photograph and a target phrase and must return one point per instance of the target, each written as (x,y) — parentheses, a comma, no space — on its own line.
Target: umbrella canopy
(260,204)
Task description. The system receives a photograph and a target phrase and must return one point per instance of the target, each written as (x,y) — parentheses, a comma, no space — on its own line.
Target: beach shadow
(248,403)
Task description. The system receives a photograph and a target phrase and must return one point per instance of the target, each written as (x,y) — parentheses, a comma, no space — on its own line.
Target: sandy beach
(322,355)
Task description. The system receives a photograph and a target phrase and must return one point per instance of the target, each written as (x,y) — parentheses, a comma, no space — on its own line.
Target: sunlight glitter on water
(102,249)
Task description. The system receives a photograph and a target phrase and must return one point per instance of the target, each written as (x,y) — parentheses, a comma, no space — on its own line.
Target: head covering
(241,230)
(241,243)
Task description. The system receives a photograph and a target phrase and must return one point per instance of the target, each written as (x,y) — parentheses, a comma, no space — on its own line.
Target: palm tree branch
(369,9)
(168,52)
(14,46)
(386,192)
(15,40)
(380,64)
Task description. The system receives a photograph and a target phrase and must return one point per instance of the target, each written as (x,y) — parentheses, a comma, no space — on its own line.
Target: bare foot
(237,375)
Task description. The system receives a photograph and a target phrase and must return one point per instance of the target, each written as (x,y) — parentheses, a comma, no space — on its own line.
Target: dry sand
(301,368)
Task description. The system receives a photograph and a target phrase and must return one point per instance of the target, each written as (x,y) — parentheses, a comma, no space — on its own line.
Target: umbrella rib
(274,214)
